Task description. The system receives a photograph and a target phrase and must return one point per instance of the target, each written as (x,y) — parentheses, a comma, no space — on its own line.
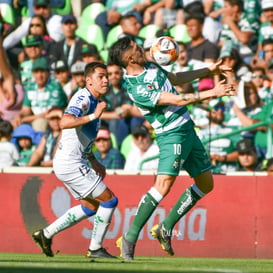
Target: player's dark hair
(6,128)
(118,49)
(90,68)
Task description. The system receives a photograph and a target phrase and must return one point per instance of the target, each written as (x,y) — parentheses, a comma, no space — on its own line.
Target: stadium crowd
(45,45)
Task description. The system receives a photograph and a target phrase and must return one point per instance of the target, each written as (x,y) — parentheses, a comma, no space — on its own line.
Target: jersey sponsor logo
(149,86)
(75,111)
(79,99)
(141,90)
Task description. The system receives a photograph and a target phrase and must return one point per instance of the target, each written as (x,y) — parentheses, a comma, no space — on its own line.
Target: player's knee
(164,184)
(87,211)
(112,203)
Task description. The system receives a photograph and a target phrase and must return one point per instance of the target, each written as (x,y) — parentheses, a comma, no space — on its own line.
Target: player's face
(97,82)
(136,54)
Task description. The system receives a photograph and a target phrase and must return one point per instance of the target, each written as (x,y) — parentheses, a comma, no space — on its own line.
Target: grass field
(29,263)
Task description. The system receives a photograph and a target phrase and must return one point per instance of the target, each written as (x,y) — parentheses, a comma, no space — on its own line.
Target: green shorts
(182,150)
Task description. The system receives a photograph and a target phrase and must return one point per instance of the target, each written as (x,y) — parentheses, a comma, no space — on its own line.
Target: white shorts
(79,178)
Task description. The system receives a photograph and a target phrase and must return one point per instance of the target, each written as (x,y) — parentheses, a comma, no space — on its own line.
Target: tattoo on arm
(192,96)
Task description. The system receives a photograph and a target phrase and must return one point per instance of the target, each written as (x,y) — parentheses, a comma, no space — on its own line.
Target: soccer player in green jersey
(152,90)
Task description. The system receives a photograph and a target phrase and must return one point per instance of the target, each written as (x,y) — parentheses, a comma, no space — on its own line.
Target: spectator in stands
(222,151)
(8,151)
(265,30)
(38,27)
(183,63)
(266,114)
(43,155)
(130,27)
(269,166)
(26,149)
(11,93)
(78,78)
(199,48)
(269,70)
(239,28)
(62,74)
(164,13)
(120,116)
(68,49)
(40,96)
(143,148)
(32,51)
(117,8)
(89,54)
(247,156)
(259,79)
(53,23)
(110,157)
(265,55)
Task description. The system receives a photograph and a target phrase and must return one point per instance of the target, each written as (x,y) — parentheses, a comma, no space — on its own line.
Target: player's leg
(197,163)
(71,217)
(146,207)
(107,204)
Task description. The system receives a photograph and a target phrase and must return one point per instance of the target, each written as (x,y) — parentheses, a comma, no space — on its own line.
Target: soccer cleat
(127,249)
(99,253)
(163,237)
(43,242)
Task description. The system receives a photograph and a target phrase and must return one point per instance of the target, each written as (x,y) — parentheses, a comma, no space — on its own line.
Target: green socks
(185,202)
(146,207)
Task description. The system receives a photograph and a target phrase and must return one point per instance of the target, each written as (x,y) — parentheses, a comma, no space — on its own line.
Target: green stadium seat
(126,145)
(148,31)
(90,13)
(7,14)
(113,35)
(92,34)
(180,33)
(67,9)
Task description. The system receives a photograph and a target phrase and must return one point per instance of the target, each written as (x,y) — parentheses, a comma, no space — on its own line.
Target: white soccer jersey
(75,142)
(70,164)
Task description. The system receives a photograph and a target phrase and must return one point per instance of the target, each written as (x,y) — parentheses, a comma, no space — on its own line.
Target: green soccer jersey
(144,90)
(40,100)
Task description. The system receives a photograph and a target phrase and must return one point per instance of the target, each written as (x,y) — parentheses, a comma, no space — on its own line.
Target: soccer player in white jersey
(152,89)
(80,124)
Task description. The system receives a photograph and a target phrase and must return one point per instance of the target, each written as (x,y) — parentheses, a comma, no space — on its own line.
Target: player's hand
(224,89)
(98,168)
(101,106)
(218,68)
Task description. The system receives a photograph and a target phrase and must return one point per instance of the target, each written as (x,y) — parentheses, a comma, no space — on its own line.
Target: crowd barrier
(234,221)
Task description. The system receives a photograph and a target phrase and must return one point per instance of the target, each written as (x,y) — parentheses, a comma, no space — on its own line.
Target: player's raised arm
(221,89)
(187,76)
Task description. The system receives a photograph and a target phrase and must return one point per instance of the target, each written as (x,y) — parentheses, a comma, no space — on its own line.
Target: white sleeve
(17,35)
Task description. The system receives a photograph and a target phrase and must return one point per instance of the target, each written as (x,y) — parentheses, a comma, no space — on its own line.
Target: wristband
(92,117)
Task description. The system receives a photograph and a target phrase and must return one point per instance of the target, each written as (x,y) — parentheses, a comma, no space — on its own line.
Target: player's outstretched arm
(187,76)
(221,89)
